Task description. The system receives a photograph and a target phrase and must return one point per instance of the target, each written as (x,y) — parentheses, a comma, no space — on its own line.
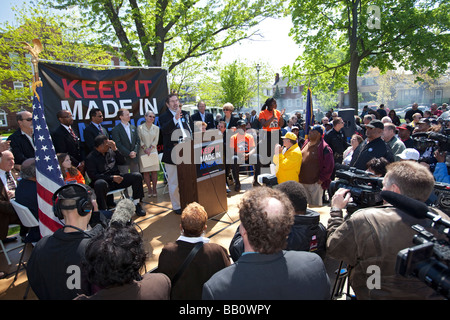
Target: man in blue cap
(317,166)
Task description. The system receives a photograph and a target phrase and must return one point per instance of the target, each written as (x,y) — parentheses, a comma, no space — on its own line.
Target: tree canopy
(167,33)
(342,39)
(60,43)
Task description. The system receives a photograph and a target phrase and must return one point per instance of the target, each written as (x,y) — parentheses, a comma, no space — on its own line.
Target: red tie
(73,133)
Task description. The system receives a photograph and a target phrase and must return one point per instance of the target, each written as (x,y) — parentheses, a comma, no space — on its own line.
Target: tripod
(342,274)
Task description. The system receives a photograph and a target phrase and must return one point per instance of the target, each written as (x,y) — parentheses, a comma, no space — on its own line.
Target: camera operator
(372,237)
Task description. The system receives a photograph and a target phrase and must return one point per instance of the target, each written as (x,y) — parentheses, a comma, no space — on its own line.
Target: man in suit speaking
(204,116)
(170,121)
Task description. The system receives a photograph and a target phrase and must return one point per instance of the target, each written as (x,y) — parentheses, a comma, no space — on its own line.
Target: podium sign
(203,179)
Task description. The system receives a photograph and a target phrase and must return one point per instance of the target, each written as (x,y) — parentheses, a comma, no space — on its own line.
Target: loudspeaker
(348,116)
(80,193)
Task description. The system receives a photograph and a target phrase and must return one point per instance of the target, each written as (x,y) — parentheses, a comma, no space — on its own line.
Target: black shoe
(139,211)
(237,188)
(177,211)
(256,184)
(9,240)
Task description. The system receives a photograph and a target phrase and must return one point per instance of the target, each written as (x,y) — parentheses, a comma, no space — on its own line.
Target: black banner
(79,90)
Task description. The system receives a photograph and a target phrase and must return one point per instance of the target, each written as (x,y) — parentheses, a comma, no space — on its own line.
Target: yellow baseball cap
(290,135)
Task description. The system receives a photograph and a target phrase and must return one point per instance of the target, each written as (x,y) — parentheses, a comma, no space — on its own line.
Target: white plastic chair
(28,220)
(11,247)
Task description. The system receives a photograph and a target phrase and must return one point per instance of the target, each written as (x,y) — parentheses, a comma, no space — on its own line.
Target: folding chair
(12,247)
(29,221)
(160,155)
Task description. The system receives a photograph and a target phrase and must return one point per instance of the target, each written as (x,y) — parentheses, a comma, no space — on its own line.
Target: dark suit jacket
(21,147)
(209,119)
(286,275)
(255,123)
(65,143)
(89,134)
(26,194)
(167,127)
(7,213)
(123,143)
(233,122)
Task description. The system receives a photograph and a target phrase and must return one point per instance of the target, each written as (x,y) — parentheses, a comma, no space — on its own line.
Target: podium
(201,173)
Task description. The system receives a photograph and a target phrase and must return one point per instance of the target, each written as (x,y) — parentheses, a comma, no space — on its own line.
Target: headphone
(83,204)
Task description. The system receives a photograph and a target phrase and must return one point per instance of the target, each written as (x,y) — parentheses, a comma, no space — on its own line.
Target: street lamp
(258,67)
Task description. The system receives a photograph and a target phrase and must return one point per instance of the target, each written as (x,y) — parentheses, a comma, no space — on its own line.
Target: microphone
(186,116)
(125,210)
(413,207)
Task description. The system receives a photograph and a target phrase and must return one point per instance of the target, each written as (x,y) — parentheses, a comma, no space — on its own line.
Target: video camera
(364,187)
(442,192)
(424,140)
(428,260)
(269,180)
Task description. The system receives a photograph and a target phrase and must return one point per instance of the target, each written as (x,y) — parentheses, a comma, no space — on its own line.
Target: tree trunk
(353,81)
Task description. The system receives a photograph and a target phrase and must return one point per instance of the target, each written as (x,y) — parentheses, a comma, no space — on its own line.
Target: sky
(275,47)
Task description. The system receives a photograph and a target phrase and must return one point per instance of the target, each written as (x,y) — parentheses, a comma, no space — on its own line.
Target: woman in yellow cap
(288,158)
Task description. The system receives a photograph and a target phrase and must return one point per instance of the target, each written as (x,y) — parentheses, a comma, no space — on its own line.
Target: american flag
(309,112)
(48,173)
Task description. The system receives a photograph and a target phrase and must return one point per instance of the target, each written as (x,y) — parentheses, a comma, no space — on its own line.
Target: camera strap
(186,262)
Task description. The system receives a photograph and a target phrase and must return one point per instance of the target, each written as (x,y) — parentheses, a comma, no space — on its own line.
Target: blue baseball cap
(318,128)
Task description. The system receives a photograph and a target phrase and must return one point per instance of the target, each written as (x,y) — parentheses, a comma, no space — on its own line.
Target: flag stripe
(48,172)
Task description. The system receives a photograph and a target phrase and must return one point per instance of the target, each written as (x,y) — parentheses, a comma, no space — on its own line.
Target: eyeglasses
(99,116)
(29,119)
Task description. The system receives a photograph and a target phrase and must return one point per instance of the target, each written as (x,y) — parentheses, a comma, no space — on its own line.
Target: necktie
(10,181)
(73,134)
(100,128)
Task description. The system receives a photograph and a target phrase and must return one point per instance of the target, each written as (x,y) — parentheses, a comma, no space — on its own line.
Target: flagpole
(34,51)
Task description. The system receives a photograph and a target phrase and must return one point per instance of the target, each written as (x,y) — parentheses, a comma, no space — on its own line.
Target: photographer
(372,237)
(441,172)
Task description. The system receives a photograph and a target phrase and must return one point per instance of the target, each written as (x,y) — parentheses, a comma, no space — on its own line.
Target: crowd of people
(280,249)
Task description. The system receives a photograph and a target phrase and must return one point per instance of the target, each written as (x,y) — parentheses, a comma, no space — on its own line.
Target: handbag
(186,262)
(149,160)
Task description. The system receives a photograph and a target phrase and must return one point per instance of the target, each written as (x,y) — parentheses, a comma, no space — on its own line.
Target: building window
(17,85)
(282,90)
(3,118)
(295,89)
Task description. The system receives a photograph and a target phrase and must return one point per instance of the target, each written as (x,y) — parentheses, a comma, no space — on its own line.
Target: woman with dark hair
(270,117)
(271,121)
(395,119)
(113,261)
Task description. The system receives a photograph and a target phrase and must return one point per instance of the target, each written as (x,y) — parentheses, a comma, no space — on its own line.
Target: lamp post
(258,67)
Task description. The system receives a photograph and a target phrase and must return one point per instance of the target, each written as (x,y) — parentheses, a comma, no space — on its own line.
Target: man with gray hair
(26,195)
(389,136)
(21,141)
(7,191)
